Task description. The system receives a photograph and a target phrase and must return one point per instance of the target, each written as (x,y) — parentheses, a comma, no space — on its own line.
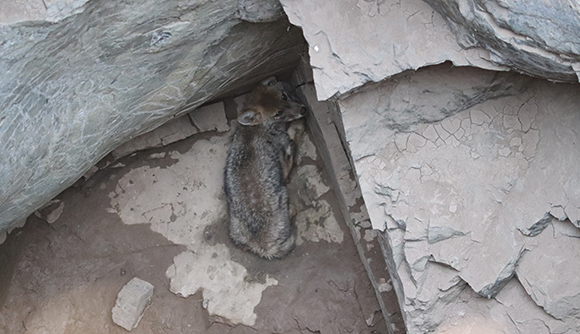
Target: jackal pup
(257,168)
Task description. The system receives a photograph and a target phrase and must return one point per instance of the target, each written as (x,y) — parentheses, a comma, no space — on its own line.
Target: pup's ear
(271,81)
(250,117)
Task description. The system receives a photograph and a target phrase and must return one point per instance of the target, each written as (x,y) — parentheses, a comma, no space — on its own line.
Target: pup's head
(270,103)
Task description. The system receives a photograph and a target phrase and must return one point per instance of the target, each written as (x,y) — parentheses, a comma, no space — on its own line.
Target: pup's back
(257,167)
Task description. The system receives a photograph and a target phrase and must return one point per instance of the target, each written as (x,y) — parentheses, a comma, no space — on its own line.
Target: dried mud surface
(64,277)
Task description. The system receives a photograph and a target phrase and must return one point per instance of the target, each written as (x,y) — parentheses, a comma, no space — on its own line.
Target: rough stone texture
(458,165)
(219,279)
(511,311)
(170,132)
(558,294)
(466,170)
(210,118)
(51,211)
(414,98)
(354,42)
(207,118)
(260,11)
(13,11)
(467,186)
(377,39)
(131,303)
(333,153)
(539,38)
(74,90)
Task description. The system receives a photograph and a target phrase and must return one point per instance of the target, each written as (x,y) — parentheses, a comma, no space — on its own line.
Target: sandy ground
(160,215)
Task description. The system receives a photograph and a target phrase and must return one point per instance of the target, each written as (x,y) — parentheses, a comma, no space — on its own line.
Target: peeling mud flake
(180,200)
(307,148)
(226,294)
(311,178)
(318,223)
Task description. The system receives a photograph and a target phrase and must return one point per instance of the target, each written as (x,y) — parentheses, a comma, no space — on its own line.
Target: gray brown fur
(257,168)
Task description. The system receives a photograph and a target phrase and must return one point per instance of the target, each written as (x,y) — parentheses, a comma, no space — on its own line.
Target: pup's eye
(279,113)
(284,97)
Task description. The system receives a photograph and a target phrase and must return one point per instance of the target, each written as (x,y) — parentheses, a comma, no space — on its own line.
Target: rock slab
(206,118)
(468,197)
(535,37)
(74,90)
(355,42)
(131,303)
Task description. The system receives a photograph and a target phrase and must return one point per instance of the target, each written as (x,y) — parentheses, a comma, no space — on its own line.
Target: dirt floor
(160,215)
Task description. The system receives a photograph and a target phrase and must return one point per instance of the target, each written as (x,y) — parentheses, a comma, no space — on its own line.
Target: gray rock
(206,118)
(354,42)
(426,96)
(260,11)
(131,303)
(38,10)
(456,179)
(174,130)
(538,38)
(51,211)
(75,90)
(210,118)
(550,275)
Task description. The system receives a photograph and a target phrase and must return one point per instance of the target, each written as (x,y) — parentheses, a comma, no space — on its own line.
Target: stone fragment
(550,275)
(170,132)
(2,237)
(384,286)
(210,118)
(90,172)
(51,211)
(131,303)
(157,155)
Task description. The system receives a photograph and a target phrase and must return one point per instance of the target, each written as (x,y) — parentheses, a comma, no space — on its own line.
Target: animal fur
(257,168)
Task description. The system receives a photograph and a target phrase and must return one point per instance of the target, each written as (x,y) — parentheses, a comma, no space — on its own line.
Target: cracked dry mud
(160,215)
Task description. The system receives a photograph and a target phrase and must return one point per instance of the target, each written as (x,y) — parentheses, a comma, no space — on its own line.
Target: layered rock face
(538,38)
(472,174)
(470,200)
(83,78)
(355,42)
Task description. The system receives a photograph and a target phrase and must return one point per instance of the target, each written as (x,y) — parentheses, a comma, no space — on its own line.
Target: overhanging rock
(74,90)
